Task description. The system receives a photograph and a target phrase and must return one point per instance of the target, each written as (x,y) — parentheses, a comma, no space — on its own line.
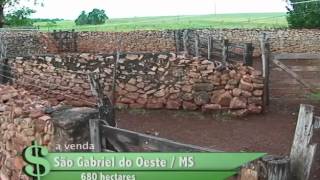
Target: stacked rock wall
(34,42)
(22,43)
(22,120)
(152,81)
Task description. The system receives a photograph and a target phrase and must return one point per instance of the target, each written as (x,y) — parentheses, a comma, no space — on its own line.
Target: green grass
(250,20)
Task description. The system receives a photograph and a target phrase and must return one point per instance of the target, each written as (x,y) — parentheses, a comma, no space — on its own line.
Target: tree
(82,19)
(96,16)
(5,4)
(303,14)
(20,17)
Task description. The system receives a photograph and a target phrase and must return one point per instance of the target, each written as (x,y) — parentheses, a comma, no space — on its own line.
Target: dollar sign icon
(37,166)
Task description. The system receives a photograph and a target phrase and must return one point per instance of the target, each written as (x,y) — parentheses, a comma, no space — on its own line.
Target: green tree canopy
(20,17)
(7,3)
(96,16)
(303,14)
(82,19)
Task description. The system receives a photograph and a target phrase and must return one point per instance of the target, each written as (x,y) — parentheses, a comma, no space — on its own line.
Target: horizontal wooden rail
(147,142)
(294,75)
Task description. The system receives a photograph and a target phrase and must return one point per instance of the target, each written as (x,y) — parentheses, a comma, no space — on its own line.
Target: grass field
(250,20)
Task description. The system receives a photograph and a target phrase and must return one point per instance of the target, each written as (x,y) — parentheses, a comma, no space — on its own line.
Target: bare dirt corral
(271,132)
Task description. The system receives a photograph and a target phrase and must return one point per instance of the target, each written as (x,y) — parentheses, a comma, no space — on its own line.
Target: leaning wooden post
(106,110)
(275,168)
(3,67)
(303,150)
(248,54)
(114,79)
(185,40)
(209,47)
(225,48)
(265,54)
(196,45)
(95,135)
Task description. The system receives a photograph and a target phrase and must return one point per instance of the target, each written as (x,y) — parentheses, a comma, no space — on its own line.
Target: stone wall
(138,41)
(304,40)
(25,117)
(22,120)
(33,42)
(22,43)
(152,81)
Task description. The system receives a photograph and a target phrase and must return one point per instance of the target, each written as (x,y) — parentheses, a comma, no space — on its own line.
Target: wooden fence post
(303,150)
(95,135)
(276,167)
(177,38)
(265,54)
(114,79)
(225,48)
(106,109)
(185,40)
(248,53)
(196,45)
(209,47)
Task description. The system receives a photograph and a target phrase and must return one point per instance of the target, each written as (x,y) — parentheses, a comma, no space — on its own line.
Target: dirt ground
(271,132)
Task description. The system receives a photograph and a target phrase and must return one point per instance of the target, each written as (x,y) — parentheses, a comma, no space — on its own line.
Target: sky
(70,9)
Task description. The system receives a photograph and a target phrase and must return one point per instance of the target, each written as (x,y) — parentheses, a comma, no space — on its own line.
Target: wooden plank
(233,45)
(248,54)
(265,55)
(209,47)
(114,78)
(147,142)
(106,109)
(177,38)
(225,51)
(297,56)
(196,45)
(302,151)
(276,167)
(185,42)
(294,75)
(317,122)
(305,68)
(95,134)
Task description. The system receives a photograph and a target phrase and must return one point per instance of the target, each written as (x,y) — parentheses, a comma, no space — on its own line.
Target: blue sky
(70,9)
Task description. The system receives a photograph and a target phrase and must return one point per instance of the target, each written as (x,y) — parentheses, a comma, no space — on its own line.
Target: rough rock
(201,98)
(224,99)
(238,103)
(189,106)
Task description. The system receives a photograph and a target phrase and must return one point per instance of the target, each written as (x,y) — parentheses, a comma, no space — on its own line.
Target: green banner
(149,161)
(131,166)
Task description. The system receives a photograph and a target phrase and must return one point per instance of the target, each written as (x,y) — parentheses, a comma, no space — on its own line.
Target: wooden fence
(289,75)
(190,43)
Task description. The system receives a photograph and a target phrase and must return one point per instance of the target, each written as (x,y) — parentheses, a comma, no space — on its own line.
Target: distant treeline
(46,20)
